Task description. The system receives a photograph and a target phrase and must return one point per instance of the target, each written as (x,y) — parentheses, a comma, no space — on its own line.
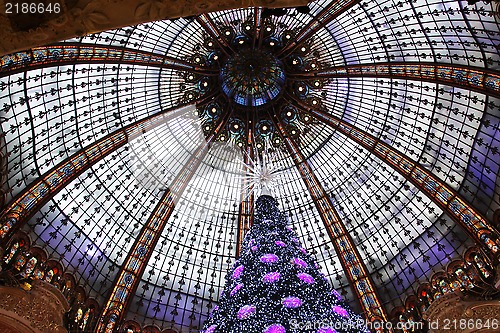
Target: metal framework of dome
(126,153)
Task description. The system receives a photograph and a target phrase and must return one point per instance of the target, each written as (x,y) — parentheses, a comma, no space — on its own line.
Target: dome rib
(247,197)
(345,248)
(331,11)
(440,193)
(134,265)
(211,28)
(80,53)
(478,79)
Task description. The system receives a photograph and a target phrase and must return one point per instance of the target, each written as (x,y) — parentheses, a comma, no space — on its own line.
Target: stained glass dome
(124,154)
(252,78)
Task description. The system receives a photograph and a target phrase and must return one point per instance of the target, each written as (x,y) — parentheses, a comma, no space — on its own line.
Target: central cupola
(252,77)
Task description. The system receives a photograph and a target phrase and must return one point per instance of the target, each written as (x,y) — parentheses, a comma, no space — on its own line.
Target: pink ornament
(276,328)
(211,329)
(269,258)
(246,311)
(238,271)
(254,248)
(214,310)
(303,250)
(292,302)
(340,311)
(280,243)
(336,294)
(271,277)
(326,330)
(236,288)
(304,277)
(299,262)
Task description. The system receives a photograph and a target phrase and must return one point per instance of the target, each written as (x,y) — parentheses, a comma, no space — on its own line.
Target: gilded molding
(457,313)
(41,309)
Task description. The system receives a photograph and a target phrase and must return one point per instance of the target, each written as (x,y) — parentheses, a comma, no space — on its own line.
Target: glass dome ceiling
(448,124)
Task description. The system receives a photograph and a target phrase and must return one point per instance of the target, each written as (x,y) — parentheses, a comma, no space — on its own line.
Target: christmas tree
(276,286)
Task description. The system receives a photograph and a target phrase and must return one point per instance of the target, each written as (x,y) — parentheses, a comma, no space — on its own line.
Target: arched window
(403,319)
(20,261)
(413,314)
(464,278)
(12,252)
(445,288)
(425,299)
(482,267)
(38,273)
(111,323)
(131,327)
(67,286)
(30,266)
(440,285)
(50,275)
(492,244)
(79,315)
(85,319)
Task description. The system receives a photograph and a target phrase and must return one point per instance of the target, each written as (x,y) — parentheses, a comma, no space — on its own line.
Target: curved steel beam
(329,13)
(75,53)
(439,192)
(477,79)
(32,199)
(245,215)
(350,259)
(136,261)
(211,28)
(258,20)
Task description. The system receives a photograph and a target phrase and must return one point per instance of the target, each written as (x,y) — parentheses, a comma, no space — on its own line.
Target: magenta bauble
(340,311)
(246,311)
(336,294)
(238,271)
(269,258)
(299,262)
(304,277)
(280,243)
(214,310)
(271,277)
(236,288)
(211,329)
(276,328)
(292,302)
